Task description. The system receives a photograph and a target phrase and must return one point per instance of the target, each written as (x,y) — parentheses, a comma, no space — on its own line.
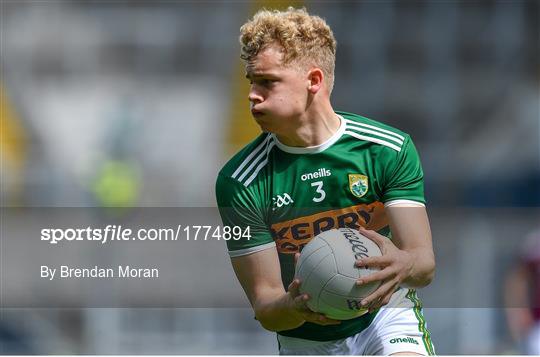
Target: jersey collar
(313,149)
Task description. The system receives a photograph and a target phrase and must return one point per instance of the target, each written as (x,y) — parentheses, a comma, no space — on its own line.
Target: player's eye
(263,82)
(267,82)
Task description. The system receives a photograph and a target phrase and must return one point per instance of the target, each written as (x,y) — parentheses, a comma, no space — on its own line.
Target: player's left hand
(395,264)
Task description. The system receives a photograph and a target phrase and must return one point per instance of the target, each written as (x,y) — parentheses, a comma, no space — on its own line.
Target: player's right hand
(300,307)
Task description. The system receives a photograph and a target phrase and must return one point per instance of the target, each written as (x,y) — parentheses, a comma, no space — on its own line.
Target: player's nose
(254,97)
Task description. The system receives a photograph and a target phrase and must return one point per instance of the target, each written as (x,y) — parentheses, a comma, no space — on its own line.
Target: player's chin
(264,124)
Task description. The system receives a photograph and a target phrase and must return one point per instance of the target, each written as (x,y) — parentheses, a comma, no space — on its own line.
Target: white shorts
(398,327)
(533,340)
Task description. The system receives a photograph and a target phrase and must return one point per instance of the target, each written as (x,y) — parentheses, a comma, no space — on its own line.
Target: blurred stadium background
(139,103)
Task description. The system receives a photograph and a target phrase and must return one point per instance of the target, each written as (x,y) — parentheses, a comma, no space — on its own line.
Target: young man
(314,169)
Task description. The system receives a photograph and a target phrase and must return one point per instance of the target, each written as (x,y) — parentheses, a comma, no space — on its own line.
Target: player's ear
(315,80)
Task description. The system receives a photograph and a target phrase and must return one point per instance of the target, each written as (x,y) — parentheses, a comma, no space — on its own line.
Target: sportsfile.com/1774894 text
(111,233)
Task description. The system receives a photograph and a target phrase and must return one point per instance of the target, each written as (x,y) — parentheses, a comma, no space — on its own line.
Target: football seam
(348,296)
(335,262)
(311,272)
(305,258)
(329,280)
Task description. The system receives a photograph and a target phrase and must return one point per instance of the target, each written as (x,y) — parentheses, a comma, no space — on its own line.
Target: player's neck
(314,128)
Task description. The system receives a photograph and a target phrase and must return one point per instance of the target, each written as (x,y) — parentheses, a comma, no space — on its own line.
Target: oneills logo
(291,236)
(322,172)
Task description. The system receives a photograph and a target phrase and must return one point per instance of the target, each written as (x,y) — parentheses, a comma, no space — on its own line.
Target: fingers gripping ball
(327,271)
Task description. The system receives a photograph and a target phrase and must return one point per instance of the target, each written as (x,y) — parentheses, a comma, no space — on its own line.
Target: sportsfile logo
(281,200)
(404,340)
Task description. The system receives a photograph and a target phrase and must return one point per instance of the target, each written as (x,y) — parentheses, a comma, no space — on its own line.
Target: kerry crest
(358,184)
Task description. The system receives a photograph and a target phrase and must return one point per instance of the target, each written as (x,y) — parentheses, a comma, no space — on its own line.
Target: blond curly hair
(306,39)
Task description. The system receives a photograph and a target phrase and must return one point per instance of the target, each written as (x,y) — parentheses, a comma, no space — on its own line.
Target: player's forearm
(277,313)
(423,268)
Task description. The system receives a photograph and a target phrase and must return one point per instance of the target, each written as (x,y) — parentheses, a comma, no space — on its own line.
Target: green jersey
(287,195)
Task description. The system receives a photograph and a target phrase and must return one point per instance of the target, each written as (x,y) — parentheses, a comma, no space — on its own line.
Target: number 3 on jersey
(319,190)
